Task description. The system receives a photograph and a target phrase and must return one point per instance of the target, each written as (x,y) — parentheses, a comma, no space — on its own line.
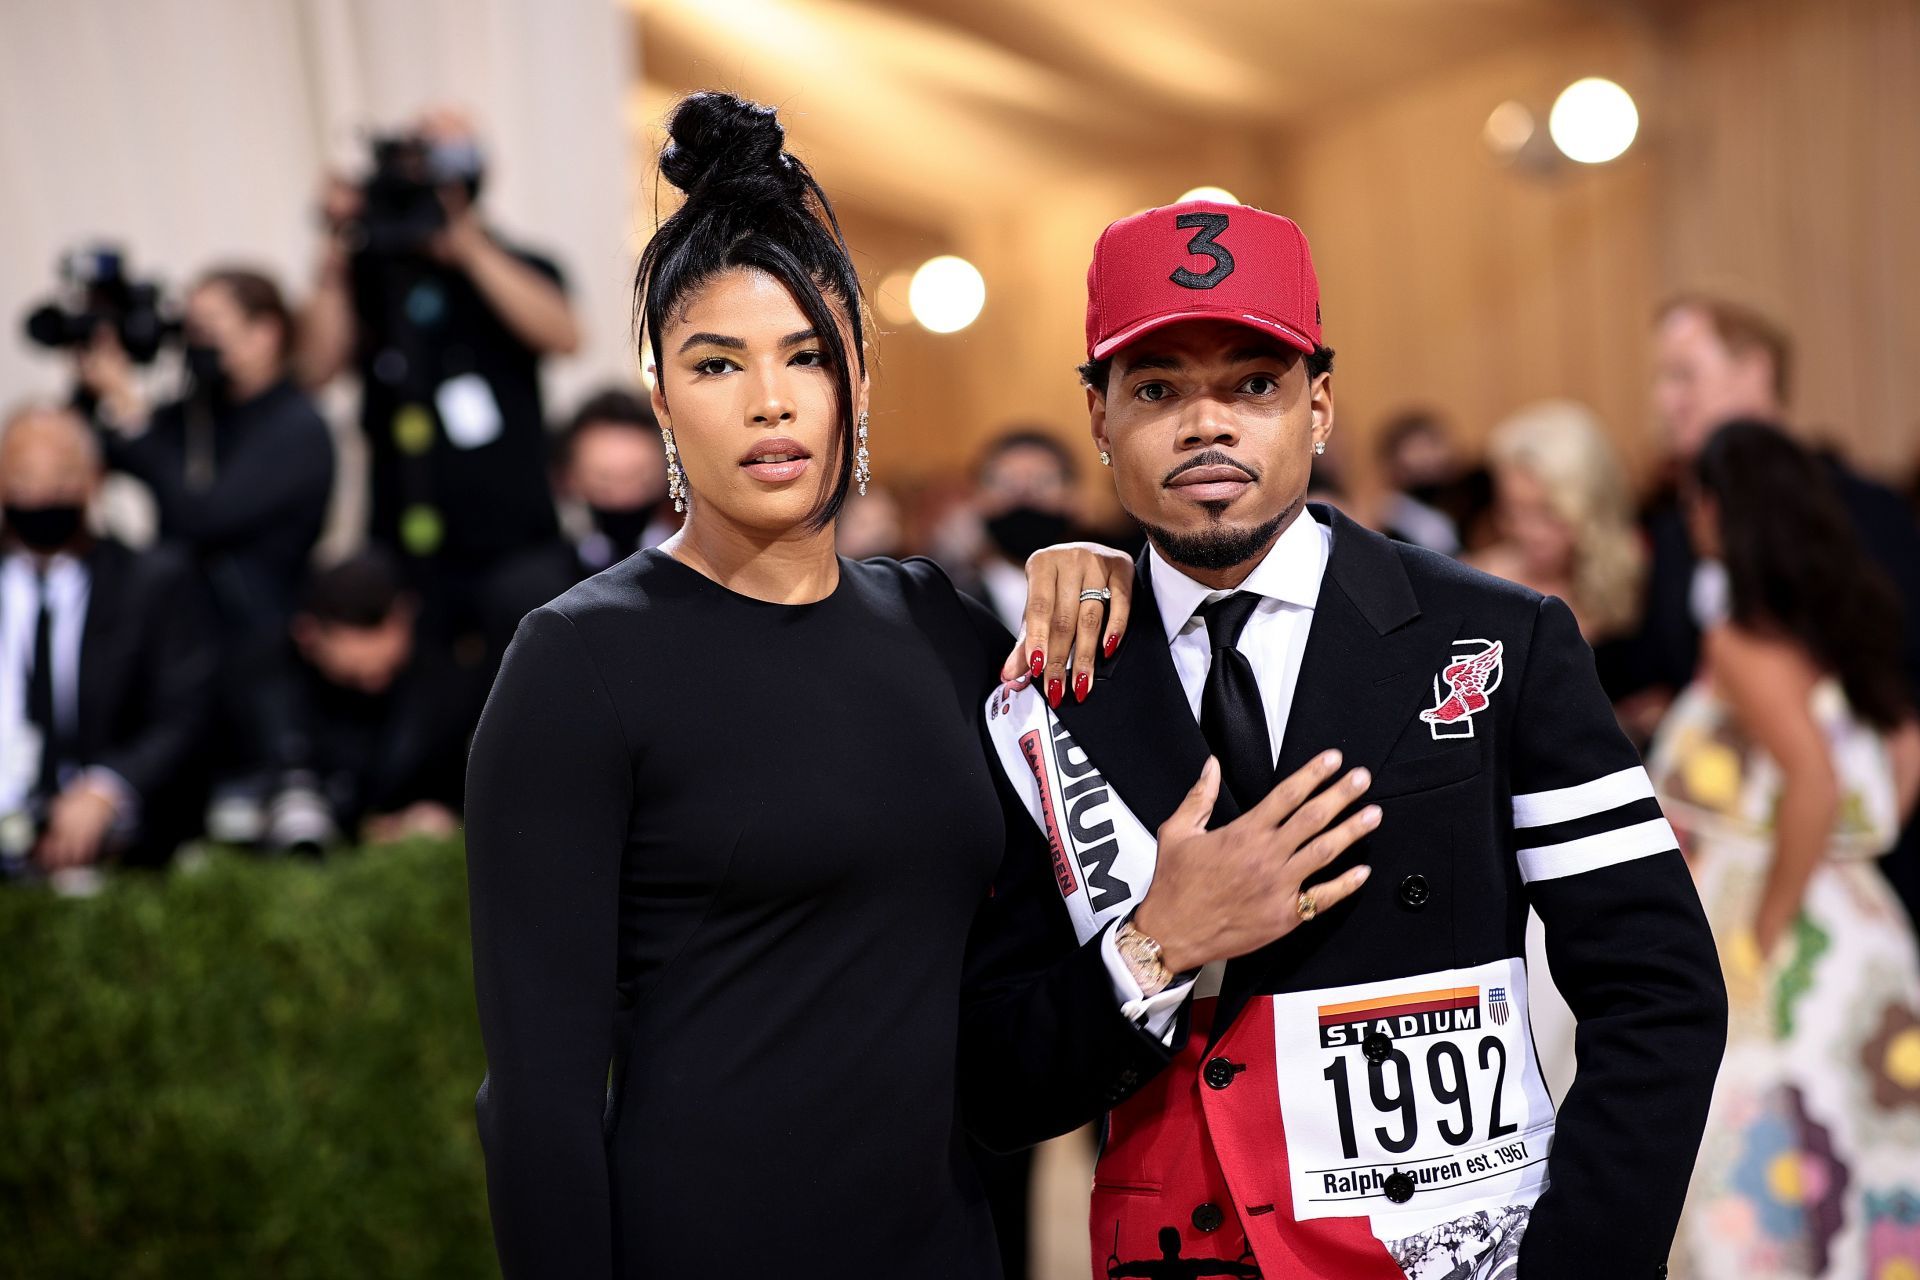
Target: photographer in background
(445,323)
(241,465)
(241,470)
(105,668)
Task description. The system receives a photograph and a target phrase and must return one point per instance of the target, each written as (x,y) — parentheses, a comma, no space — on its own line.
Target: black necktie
(40,695)
(1230,712)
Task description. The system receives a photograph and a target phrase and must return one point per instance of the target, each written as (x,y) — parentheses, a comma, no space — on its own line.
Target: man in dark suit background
(106,668)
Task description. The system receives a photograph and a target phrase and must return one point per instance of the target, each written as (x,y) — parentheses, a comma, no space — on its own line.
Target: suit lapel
(1136,725)
(1364,677)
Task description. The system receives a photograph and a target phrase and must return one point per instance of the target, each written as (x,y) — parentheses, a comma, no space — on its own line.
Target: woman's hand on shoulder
(1068,625)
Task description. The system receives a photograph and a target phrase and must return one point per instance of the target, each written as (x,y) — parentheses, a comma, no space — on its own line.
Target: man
(1360,1095)
(1024,493)
(1714,362)
(106,668)
(446,324)
(373,722)
(609,462)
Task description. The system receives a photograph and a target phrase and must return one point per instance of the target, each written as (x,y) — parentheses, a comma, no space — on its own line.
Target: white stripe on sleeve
(1564,804)
(1589,853)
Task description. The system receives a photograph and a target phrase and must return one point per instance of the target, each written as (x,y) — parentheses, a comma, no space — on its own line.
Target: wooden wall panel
(1795,186)
(1455,282)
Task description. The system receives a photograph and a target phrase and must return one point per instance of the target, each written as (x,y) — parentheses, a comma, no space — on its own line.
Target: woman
(729,815)
(1566,522)
(1792,761)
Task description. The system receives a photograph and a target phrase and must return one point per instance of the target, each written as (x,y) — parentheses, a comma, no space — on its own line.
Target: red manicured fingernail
(1055,690)
(1113,642)
(1036,662)
(1081,683)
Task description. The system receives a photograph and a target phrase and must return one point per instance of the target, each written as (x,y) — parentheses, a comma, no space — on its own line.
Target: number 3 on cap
(1210,225)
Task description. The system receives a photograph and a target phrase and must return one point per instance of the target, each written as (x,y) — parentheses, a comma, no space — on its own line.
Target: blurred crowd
(224,683)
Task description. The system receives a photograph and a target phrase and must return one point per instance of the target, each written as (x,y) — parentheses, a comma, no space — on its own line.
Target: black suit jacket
(147,663)
(1627,940)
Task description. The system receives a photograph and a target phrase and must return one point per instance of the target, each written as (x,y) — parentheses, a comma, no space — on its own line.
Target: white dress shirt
(1288,581)
(67,591)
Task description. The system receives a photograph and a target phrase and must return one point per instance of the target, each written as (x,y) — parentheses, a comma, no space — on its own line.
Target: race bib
(1412,1095)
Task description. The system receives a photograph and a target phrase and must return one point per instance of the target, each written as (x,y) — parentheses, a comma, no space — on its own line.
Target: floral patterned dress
(1811,1162)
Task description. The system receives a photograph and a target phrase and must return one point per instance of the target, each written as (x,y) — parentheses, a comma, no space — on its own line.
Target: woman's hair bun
(718,138)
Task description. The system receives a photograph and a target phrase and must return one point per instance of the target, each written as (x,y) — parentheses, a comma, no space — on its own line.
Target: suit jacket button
(1415,893)
(1208,1218)
(1399,1188)
(1220,1073)
(1129,1077)
(1377,1047)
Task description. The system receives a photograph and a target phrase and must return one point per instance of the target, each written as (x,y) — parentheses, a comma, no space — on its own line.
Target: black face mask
(206,376)
(622,526)
(46,528)
(1024,530)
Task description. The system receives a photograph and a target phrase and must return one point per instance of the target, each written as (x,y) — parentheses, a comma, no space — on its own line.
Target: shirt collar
(1290,572)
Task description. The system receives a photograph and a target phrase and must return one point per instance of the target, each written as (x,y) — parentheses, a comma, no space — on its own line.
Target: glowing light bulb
(947,294)
(1219,195)
(1593,121)
(1509,128)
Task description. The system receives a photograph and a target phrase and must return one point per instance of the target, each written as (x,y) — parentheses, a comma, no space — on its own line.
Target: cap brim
(1153,324)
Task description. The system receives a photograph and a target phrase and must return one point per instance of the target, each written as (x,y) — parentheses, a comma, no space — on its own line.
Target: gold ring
(1305,907)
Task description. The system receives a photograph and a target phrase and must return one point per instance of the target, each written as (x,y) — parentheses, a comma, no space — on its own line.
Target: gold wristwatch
(1142,956)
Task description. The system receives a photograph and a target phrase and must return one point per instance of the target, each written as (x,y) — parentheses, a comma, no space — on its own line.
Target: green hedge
(247,1069)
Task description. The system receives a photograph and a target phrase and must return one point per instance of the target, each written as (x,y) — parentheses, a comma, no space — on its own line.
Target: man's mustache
(1210,458)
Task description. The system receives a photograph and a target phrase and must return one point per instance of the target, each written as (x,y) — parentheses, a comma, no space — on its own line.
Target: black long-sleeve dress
(724,857)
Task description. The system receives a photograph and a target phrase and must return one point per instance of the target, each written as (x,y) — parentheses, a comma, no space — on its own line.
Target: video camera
(98,293)
(401,208)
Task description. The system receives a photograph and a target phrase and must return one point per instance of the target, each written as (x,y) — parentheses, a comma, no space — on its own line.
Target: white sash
(1103,857)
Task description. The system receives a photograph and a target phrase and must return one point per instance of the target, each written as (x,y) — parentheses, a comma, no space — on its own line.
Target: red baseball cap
(1201,260)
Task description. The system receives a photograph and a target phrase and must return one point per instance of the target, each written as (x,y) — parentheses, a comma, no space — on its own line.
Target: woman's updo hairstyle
(750,204)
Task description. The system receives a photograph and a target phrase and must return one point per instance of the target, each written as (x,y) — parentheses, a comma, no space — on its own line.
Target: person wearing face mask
(241,469)
(105,667)
(610,465)
(241,464)
(1026,498)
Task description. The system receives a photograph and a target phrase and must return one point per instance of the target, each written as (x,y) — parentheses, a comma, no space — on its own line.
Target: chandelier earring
(862,467)
(676,474)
